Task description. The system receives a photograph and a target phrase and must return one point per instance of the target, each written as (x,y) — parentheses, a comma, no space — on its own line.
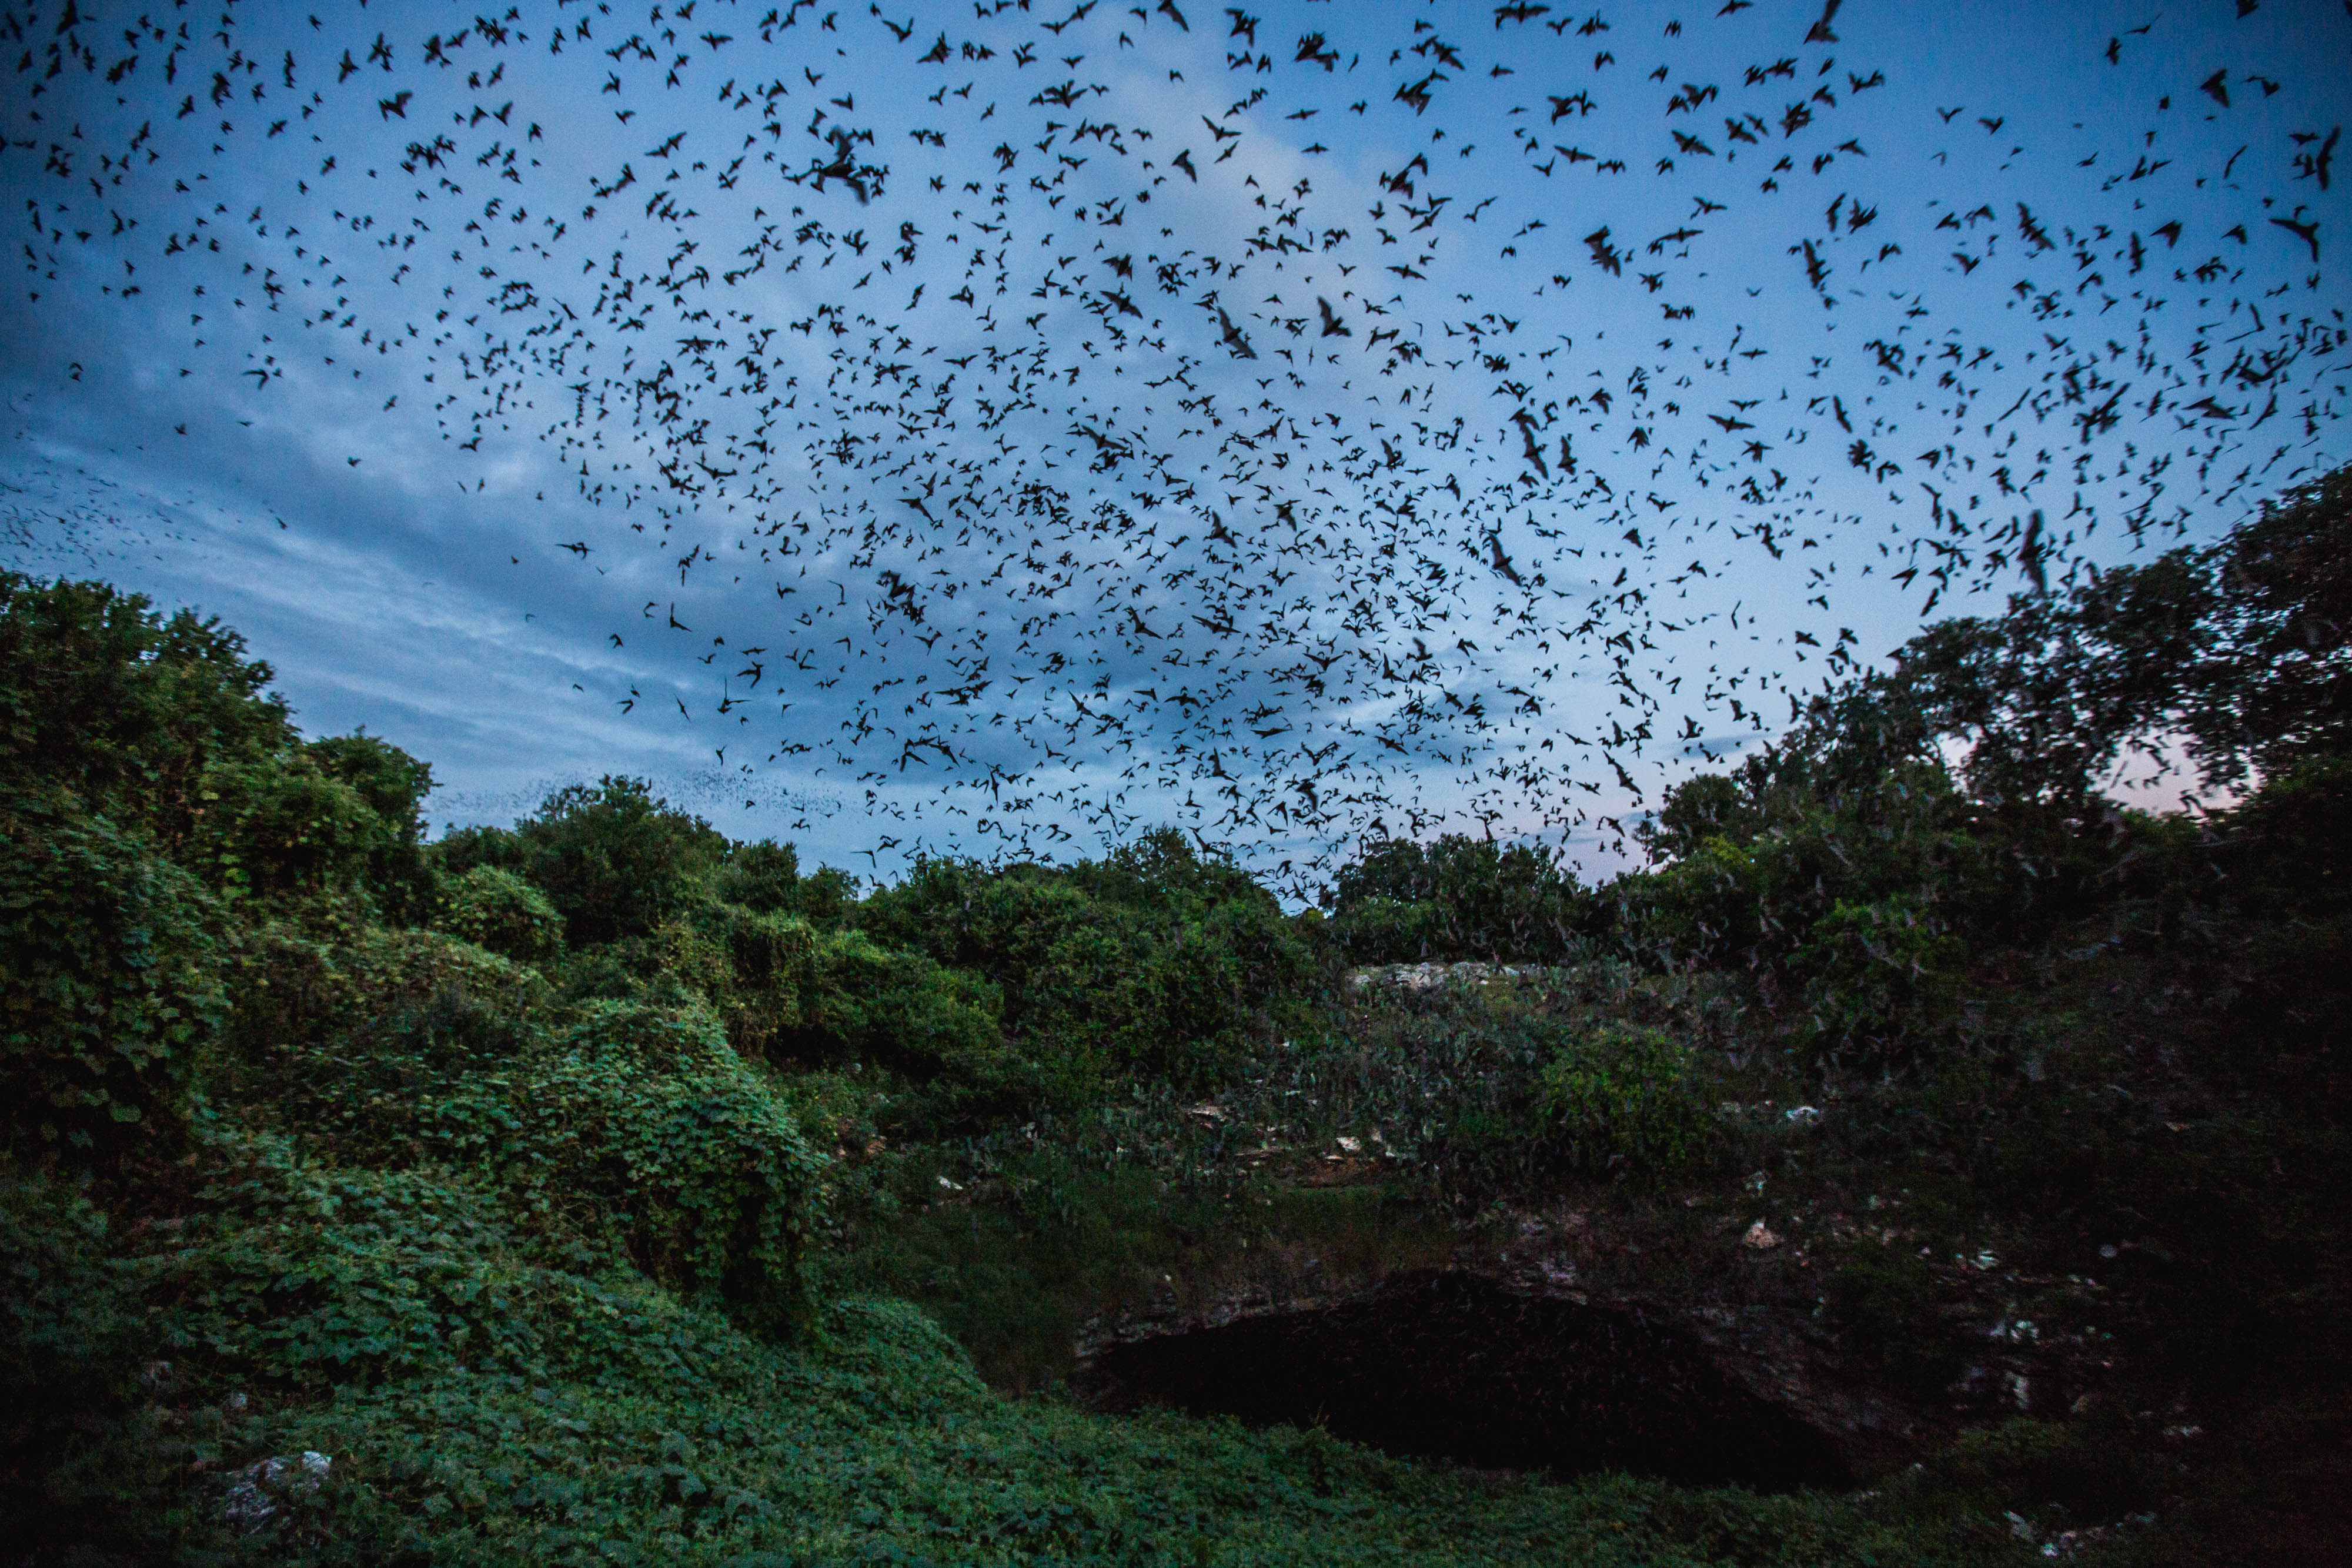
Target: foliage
(495,909)
(308,1271)
(1859,875)
(697,1165)
(282,826)
(1453,899)
(124,709)
(1155,958)
(1628,1095)
(79,1464)
(615,861)
(112,978)
(163,726)
(765,877)
(628,1126)
(789,993)
(870,1003)
(393,785)
(2281,693)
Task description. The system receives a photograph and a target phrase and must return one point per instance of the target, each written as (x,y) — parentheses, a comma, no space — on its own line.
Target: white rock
(250,1502)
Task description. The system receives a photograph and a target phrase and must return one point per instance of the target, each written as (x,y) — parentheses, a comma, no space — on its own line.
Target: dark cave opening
(1456,1367)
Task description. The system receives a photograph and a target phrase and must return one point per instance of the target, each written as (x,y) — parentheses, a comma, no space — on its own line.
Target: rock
(1423,977)
(1760,1238)
(253,1495)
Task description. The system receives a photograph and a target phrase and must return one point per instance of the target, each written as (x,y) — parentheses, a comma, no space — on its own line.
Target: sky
(998,430)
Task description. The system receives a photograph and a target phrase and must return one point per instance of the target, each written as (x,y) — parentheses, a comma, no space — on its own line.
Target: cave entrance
(1455,1366)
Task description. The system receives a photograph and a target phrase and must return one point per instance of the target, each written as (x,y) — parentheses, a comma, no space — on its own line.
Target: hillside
(1926,1159)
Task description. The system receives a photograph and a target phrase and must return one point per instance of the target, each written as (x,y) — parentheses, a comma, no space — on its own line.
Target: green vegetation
(1629,1094)
(603,1189)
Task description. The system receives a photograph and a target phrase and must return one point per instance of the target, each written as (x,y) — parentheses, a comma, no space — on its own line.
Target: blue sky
(1198,425)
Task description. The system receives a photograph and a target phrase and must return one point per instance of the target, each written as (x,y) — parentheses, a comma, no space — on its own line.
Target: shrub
(305,1271)
(765,877)
(461,849)
(772,962)
(634,1127)
(111,975)
(1155,959)
(374,1050)
(73,1469)
(701,1166)
(298,991)
(1854,909)
(1707,806)
(906,1011)
(1704,909)
(496,910)
(1457,898)
(281,825)
(164,726)
(1625,1095)
(1881,977)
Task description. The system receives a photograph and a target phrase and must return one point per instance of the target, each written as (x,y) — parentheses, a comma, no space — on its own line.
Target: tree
(1457,898)
(123,708)
(615,861)
(393,784)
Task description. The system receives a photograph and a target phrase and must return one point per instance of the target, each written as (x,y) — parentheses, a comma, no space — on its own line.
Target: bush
(765,877)
(72,1338)
(635,1128)
(701,1168)
(164,728)
(306,1272)
(1154,959)
(496,910)
(903,1010)
(1881,977)
(1854,907)
(111,975)
(298,991)
(772,962)
(279,826)
(1455,899)
(1628,1095)
(461,849)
